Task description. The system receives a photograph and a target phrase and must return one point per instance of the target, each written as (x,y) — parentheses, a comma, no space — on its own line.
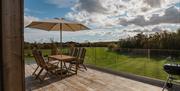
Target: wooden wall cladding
(12,27)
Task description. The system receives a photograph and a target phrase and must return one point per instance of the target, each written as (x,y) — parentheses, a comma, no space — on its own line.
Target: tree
(163,40)
(111,46)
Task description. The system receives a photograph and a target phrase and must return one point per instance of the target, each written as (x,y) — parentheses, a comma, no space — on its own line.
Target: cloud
(157,29)
(154,28)
(115,34)
(106,13)
(91,6)
(139,20)
(154,15)
(29,19)
(171,15)
(154,3)
(27,10)
(62,3)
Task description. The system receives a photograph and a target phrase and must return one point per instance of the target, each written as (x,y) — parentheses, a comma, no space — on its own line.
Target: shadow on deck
(91,80)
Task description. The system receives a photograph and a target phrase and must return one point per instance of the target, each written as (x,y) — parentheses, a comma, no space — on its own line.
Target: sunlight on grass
(139,65)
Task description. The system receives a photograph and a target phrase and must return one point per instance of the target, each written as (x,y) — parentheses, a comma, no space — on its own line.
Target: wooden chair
(48,67)
(54,51)
(80,59)
(73,52)
(70,52)
(34,52)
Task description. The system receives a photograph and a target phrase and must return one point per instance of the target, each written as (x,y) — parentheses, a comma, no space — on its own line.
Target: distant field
(101,57)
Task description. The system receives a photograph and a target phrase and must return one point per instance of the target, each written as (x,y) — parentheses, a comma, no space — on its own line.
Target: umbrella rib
(33,24)
(52,26)
(69,27)
(39,24)
(85,26)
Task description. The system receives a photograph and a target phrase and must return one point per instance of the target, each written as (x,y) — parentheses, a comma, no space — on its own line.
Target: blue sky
(107,18)
(42,9)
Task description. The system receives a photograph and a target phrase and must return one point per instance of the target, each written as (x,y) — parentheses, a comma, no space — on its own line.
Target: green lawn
(139,65)
(132,64)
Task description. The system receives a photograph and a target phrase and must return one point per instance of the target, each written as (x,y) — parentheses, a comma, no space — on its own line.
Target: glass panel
(164,50)
(143,54)
(105,58)
(90,56)
(132,61)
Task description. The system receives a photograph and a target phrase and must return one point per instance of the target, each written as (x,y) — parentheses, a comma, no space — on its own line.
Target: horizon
(107,18)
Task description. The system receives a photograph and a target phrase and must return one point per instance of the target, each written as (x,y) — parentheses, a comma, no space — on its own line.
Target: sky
(109,20)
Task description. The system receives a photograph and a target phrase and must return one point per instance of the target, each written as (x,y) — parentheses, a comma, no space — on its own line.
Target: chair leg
(70,66)
(54,73)
(39,73)
(44,76)
(57,64)
(65,65)
(77,65)
(84,67)
(35,70)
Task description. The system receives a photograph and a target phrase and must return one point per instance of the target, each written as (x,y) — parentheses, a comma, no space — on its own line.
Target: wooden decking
(90,80)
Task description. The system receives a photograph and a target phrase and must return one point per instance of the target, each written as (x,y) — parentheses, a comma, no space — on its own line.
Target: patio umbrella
(57,24)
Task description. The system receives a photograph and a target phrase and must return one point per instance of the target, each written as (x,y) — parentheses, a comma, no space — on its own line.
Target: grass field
(139,65)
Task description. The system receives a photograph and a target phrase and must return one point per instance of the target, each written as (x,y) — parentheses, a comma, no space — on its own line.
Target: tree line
(158,40)
(28,45)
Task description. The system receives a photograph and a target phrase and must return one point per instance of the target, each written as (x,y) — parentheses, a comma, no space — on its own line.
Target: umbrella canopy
(57,24)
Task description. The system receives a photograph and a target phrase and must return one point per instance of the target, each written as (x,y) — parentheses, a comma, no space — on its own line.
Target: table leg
(61,69)
(76,67)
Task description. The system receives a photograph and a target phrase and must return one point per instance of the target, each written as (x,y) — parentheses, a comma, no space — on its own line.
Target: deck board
(90,80)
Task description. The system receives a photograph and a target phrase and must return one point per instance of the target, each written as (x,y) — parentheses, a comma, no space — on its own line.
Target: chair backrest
(81,55)
(35,54)
(41,59)
(54,51)
(71,51)
(74,52)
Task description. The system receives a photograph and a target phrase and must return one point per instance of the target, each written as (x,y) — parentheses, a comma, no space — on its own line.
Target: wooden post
(1,64)
(12,62)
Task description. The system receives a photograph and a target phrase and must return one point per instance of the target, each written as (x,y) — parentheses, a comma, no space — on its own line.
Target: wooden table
(64,58)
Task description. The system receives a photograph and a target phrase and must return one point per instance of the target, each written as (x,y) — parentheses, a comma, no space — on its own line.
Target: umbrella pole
(60,38)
